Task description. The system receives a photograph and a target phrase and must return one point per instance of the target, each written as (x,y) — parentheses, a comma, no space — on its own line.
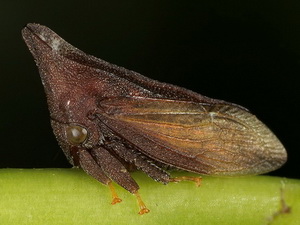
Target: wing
(215,139)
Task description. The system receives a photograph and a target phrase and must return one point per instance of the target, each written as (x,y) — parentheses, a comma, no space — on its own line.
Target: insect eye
(76,134)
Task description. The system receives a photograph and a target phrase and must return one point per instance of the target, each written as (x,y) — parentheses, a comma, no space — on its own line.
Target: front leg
(111,167)
(89,165)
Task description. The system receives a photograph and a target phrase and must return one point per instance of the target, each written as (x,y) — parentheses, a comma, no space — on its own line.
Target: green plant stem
(69,196)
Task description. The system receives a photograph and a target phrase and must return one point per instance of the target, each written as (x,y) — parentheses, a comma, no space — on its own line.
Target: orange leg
(115,198)
(197,180)
(142,206)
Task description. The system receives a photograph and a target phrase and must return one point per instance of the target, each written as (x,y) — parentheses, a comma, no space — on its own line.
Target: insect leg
(114,194)
(114,169)
(141,161)
(89,165)
(197,180)
(142,206)
(133,156)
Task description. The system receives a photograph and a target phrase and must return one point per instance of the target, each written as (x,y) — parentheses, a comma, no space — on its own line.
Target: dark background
(246,52)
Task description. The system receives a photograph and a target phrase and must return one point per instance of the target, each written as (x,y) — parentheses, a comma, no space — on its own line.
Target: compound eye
(76,134)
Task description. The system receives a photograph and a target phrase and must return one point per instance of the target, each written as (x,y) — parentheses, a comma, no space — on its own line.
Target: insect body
(106,117)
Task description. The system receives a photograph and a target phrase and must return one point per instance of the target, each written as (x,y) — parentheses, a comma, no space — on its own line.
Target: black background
(246,52)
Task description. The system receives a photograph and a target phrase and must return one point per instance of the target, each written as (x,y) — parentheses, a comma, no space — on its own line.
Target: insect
(108,119)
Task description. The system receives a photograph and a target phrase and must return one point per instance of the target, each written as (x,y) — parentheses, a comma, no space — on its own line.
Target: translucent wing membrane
(218,139)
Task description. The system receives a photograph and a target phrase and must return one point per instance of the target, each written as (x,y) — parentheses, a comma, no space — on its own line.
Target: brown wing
(219,139)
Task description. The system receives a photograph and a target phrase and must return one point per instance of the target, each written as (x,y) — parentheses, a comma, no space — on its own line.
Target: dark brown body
(106,117)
